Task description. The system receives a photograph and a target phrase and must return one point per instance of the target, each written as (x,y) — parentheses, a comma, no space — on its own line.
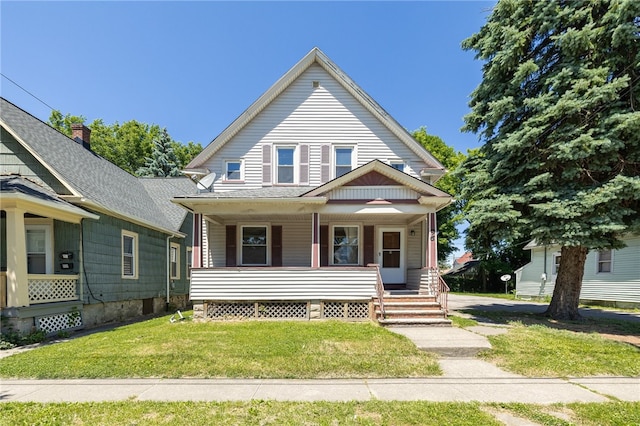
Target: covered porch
(40,280)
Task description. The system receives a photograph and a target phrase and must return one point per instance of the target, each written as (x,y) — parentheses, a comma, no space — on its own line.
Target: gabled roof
(378,166)
(94,182)
(315,56)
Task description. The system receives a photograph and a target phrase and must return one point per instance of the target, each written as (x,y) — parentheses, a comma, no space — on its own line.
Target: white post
(17,283)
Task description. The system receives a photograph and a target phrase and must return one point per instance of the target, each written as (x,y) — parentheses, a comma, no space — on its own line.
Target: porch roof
(18,192)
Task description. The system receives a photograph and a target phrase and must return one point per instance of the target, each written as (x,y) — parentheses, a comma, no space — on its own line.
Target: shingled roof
(93,181)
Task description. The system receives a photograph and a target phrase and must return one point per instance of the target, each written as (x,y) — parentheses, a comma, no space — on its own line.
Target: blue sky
(193,67)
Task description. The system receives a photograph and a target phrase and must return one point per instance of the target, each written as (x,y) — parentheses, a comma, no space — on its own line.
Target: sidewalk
(465,379)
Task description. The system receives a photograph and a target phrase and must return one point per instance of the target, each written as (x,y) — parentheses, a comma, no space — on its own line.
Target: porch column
(196,250)
(17,283)
(315,240)
(432,241)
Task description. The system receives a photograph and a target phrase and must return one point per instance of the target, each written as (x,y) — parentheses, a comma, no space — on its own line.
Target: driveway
(460,302)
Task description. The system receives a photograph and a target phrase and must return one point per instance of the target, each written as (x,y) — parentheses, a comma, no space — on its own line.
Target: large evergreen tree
(557,110)
(163,161)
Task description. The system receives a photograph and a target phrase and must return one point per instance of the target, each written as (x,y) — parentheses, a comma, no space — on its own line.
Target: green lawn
(242,349)
(313,413)
(541,347)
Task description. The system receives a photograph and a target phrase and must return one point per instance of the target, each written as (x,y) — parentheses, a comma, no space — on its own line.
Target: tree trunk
(566,294)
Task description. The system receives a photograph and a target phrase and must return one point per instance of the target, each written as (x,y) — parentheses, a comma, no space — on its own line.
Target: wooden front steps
(411,310)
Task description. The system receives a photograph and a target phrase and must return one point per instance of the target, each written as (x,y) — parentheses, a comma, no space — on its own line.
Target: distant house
(315,202)
(83,242)
(610,276)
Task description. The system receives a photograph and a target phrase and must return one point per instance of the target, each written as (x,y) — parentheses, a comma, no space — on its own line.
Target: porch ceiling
(395,219)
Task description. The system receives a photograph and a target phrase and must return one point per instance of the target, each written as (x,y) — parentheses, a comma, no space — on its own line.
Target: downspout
(166,305)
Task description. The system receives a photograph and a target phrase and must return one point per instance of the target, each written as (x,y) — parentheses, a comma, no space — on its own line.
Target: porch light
(412,232)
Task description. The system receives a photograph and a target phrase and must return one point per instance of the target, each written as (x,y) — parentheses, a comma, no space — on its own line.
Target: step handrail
(379,288)
(441,290)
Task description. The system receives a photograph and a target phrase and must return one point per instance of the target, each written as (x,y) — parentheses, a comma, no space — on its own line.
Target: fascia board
(99,208)
(51,170)
(65,213)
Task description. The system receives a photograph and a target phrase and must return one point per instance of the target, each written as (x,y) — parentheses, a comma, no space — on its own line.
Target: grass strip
(241,349)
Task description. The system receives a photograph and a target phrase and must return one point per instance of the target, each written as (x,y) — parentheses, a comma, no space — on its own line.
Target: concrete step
(409,298)
(414,322)
(417,313)
(408,305)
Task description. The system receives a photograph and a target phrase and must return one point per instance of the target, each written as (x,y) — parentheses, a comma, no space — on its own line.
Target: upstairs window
(344,160)
(233,170)
(605,258)
(285,165)
(397,164)
(129,255)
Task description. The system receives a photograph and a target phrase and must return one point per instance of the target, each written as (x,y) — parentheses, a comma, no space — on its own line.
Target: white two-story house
(311,203)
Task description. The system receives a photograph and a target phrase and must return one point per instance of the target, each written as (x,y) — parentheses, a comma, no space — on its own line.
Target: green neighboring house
(84,242)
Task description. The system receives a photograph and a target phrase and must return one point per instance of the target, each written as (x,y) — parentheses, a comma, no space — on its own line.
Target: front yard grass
(258,412)
(157,348)
(536,346)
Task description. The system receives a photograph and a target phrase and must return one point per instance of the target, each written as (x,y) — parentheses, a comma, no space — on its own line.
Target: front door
(391,255)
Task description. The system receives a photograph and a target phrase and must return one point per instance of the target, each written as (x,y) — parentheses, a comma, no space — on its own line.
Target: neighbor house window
(285,165)
(345,244)
(174,260)
(189,261)
(39,249)
(254,245)
(233,170)
(605,263)
(556,263)
(129,254)
(343,160)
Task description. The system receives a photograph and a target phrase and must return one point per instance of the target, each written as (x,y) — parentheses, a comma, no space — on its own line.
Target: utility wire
(29,93)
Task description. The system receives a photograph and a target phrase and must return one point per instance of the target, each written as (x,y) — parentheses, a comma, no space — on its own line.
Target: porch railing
(440,288)
(52,288)
(379,288)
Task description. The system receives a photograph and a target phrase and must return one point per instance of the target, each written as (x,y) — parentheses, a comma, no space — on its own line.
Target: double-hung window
(285,172)
(233,170)
(254,239)
(397,164)
(343,160)
(174,260)
(39,249)
(556,263)
(605,258)
(345,244)
(129,255)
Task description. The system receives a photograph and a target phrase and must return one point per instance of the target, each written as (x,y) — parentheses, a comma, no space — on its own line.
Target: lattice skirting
(348,310)
(345,310)
(53,323)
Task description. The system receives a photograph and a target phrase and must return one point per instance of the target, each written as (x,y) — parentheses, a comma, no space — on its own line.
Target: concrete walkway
(465,378)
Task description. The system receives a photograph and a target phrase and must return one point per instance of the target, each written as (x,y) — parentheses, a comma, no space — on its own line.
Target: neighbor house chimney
(81,134)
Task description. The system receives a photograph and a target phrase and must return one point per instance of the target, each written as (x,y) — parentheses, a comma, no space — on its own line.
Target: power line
(29,93)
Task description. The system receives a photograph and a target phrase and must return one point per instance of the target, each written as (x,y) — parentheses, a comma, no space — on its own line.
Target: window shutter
(230,244)
(325,163)
(304,164)
(266,164)
(368,247)
(276,245)
(324,245)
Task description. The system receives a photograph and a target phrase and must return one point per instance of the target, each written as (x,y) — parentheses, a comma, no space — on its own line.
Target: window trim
(276,165)
(226,170)
(599,262)
(241,227)
(135,257)
(398,162)
(332,227)
(176,247)
(47,226)
(334,162)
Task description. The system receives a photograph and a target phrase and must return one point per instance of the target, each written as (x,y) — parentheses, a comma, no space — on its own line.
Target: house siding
(318,117)
(15,159)
(620,285)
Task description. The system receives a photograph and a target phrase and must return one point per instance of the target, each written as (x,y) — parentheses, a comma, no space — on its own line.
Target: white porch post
(315,240)
(196,250)
(432,241)
(17,284)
